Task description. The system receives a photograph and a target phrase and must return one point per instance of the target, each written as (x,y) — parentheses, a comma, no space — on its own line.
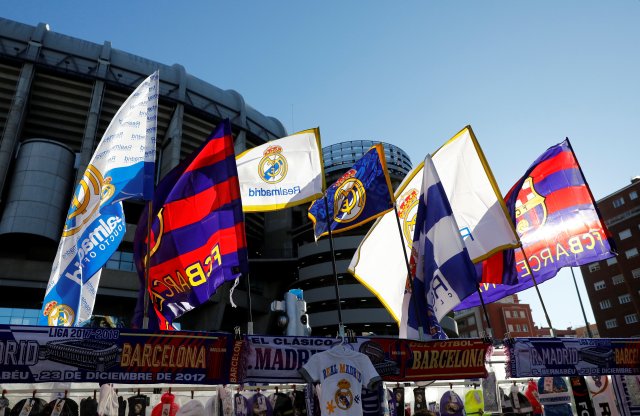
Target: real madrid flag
(362,194)
(282,173)
(121,168)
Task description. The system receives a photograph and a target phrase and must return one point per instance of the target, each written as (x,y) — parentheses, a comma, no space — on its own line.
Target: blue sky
(524,75)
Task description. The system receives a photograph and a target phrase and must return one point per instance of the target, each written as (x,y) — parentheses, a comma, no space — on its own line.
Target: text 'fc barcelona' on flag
(444,273)
(197,235)
(362,194)
(558,224)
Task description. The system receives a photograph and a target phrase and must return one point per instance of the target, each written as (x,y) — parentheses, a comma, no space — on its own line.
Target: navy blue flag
(443,273)
(362,194)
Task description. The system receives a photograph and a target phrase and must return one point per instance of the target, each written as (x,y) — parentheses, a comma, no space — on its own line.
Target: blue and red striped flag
(197,235)
(557,222)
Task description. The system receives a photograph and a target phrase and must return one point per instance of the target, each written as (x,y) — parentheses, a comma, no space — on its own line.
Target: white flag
(282,173)
(477,205)
(122,167)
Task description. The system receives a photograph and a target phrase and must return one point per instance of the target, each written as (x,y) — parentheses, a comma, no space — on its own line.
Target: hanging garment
(474,402)
(282,404)
(61,407)
(490,393)
(32,406)
(259,405)
(451,404)
(226,400)
(531,393)
(166,407)
(191,408)
(212,406)
(240,405)
(138,405)
(5,407)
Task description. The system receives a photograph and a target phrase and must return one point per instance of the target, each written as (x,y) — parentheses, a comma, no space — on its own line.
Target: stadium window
(633,195)
(635,273)
(617,279)
(611,323)
(594,267)
(631,253)
(618,202)
(507,314)
(518,329)
(626,298)
(625,234)
(510,328)
(611,261)
(599,285)
(631,319)
(525,328)
(605,304)
(522,314)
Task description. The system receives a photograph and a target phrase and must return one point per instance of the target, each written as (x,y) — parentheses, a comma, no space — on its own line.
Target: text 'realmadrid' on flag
(477,205)
(558,223)
(443,272)
(197,233)
(122,167)
(362,194)
(282,173)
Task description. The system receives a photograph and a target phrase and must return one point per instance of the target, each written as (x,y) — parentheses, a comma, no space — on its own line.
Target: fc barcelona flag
(362,194)
(558,224)
(197,235)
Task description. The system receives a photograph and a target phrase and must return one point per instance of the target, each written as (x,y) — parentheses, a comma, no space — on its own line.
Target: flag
(362,194)
(558,223)
(379,263)
(282,173)
(444,273)
(122,167)
(197,234)
(474,196)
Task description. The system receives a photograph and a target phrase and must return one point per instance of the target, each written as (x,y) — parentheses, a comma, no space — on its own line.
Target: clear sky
(523,74)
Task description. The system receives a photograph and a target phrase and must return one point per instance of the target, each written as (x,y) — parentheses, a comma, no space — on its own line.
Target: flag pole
(484,309)
(147,262)
(250,323)
(581,305)
(535,284)
(409,277)
(335,274)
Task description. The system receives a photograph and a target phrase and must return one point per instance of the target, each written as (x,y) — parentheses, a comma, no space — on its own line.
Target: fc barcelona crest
(531,211)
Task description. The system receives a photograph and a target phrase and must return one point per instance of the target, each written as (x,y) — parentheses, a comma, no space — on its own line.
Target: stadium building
(57,97)
(612,284)
(58,94)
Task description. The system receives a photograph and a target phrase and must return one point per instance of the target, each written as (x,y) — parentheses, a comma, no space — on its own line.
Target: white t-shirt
(342,373)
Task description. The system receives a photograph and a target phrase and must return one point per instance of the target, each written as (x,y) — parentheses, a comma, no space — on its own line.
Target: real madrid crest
(407,212)
(531,211)
(349,199)
(343,396)
(273,165)
(59,314)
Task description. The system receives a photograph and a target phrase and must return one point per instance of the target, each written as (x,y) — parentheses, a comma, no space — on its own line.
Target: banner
(476,203)
(558,224)
(627,395)
(443,272)
(277,359)
(362,194)
(198,239)
(122,167)
(282,173)
(35,354)
(546,357)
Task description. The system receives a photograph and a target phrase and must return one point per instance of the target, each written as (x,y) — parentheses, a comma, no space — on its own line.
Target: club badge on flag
(444,273)
(558,223)
(282,173)
(379,263)
(197,234)
(362,194)
(122,167)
